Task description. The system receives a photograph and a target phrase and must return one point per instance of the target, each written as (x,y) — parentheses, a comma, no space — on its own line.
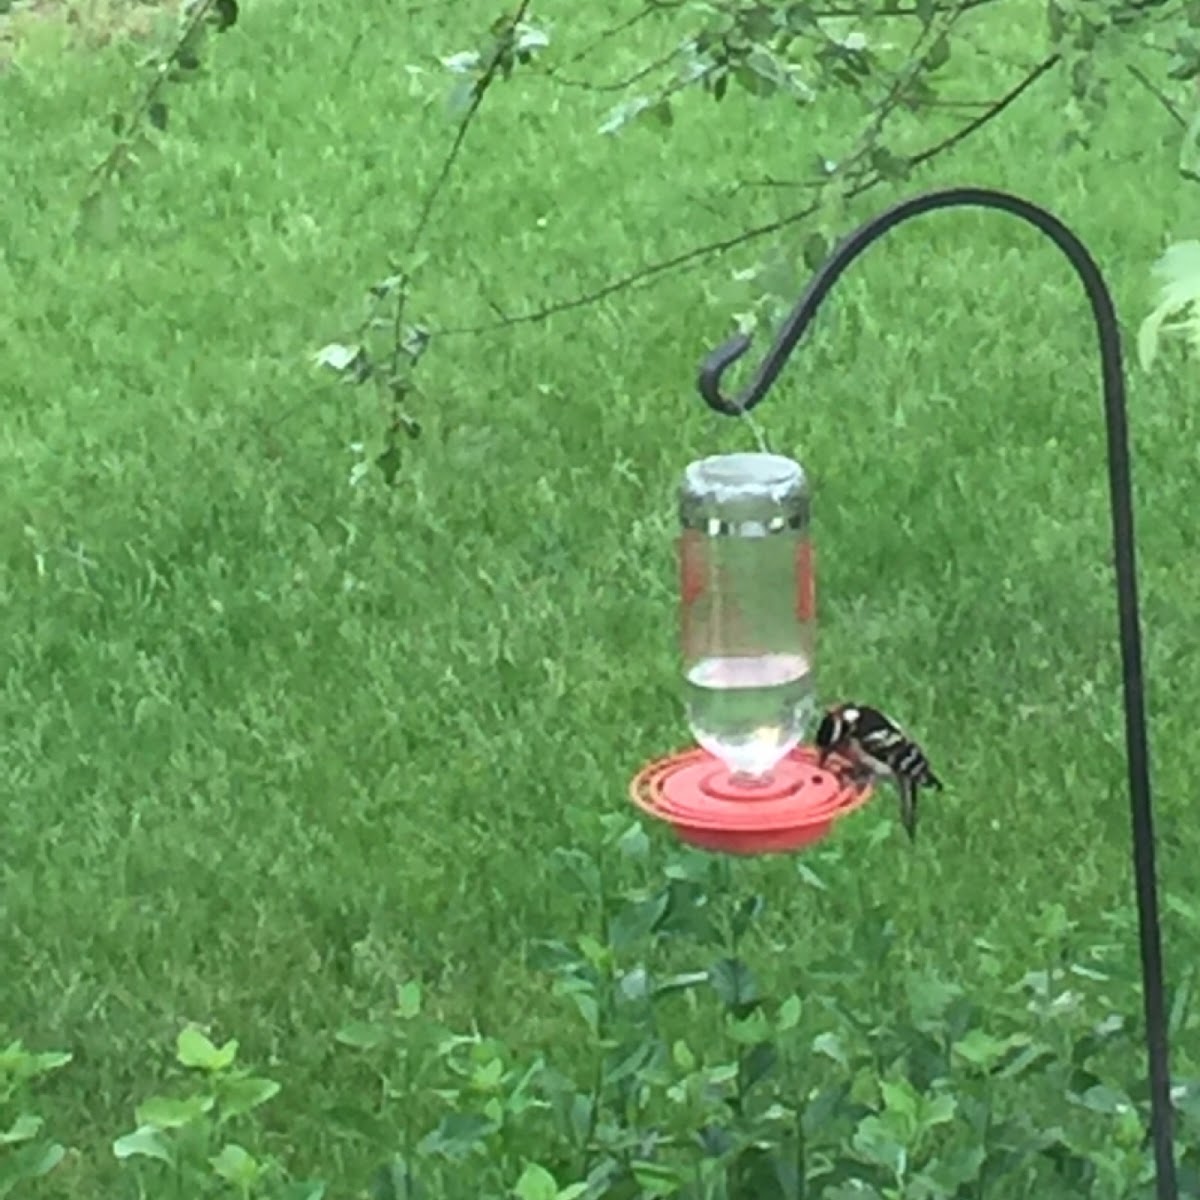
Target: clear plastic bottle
(748,610)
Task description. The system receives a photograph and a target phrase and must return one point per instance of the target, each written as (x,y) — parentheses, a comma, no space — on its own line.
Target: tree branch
(645,276)
(491,70)
(897,9)
(1158,94)
(615,30)
(194,19)
(620,85)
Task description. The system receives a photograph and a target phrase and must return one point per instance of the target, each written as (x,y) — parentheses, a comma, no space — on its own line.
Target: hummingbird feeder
(748,616)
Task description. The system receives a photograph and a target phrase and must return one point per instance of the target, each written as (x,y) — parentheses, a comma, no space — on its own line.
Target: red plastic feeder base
(693,792)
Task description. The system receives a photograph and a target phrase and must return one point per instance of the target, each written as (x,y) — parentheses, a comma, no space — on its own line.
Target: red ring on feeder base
(694,793)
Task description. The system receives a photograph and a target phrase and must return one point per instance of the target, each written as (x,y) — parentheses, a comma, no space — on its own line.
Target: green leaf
(661,113)
(240,1095)
(393,1181)
(1106,1100)
(1184,64)
(1148,336)
(722,1073)
(746,913)
(408,1000)
(634,984)
(337,356)
(488,1076)
(938,55)
(584,999)
(362,1035)
(815,251)
(682,1056)
(937,1110)
(595,952)
(28,1163)
(874,1142)
(657,1179)
(806,873)
(457,1135)
(465,62)
(760,73)
(193,1049)
(800,17)
(529,38)
(756,1027)
(44,1159)
(734,984)
(156,114)
(536,1183)
(789,1014)
(899,1097)
(686,981)
(460,97)
(831,1046)
(1179,270)
(634,922)
(146,1142)
(389,463)
(237,1166)
(42,1064)
(224,14)
(955,1168)
(624,113)
(824,1109)
(1033,1055)
(307,1189)
(162,1112)
(634,842)
(929,1001)
(756,1065)
(24,1128)
(981,1049)
(888,165)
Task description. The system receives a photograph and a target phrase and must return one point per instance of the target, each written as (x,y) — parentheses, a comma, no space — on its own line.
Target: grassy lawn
(276,741)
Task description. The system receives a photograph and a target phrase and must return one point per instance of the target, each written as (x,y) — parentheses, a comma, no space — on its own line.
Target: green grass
(273,742)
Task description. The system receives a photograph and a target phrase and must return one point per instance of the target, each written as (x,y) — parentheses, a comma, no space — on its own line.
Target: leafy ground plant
(697,1083)
(182,1145)
(26,1151)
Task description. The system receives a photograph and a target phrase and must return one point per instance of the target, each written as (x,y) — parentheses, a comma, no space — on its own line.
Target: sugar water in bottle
(748,609)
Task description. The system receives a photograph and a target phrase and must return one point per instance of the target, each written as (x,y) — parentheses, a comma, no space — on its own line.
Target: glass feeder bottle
(748,609)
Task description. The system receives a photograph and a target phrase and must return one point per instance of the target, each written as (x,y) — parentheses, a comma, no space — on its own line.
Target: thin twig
(1157,93)
(619,86)
(485,81)
(1005,101)
(903,10)
(361,36)
(656,6)
(500,49)
(150,95)
(692,257)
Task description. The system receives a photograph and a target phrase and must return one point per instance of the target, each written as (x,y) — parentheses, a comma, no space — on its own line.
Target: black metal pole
(1103,310)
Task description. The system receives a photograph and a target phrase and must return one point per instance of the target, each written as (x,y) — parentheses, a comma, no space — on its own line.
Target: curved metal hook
(718,361)
(1120,490)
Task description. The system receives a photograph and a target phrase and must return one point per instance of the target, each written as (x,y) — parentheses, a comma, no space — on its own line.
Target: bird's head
(835,730)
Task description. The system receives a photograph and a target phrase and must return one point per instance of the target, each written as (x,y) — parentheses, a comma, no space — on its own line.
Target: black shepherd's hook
(715,366)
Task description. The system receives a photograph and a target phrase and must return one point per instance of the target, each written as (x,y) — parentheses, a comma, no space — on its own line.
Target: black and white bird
(875,744)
